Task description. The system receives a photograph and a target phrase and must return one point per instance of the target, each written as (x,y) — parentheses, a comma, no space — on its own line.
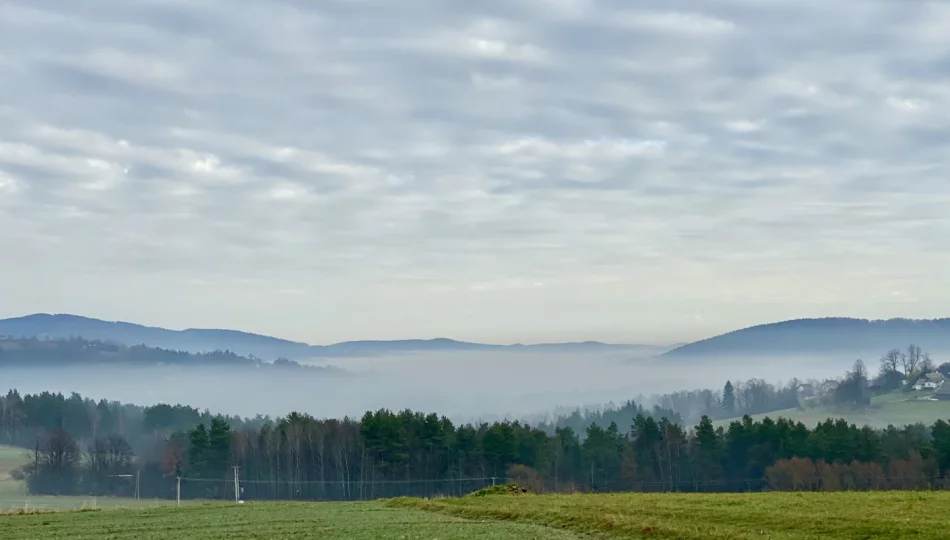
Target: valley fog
(459,385)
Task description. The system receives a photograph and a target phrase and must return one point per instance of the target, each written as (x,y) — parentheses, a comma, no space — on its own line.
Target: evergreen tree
(198,451)
(729,399)
(219,448)
(647,442)
(707,454)
(941,445)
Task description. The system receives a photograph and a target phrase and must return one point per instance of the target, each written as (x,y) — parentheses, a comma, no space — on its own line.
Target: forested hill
(123,333)
(38,353)
(856,337)
(266,347)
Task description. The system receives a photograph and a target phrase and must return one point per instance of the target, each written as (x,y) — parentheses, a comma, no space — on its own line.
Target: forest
(387,453)
(80,446)
(42,353)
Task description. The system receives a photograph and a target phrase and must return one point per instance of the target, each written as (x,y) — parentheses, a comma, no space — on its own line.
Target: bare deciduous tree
(891,362)
(54,465)
(926,364)
(911,359)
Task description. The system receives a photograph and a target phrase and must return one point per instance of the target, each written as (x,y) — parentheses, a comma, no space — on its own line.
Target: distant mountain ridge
(64,326)
(823,336)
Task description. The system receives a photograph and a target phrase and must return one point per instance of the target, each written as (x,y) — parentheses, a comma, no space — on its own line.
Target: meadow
(895,408)
(270,520)
(777,516)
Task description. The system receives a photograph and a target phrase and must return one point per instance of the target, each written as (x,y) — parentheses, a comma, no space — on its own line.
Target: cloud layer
(500,171)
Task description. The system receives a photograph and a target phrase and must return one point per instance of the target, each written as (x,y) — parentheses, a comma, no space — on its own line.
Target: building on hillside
(807,391)
(935,378)
(924,383)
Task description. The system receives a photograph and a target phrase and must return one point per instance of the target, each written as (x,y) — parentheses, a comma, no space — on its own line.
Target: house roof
(944,390)
(934,377)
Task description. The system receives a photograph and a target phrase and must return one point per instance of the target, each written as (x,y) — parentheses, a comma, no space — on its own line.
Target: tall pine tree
(729,399)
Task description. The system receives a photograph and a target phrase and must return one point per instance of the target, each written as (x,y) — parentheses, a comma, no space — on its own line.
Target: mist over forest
(563,416)
(461,385)
(467,381)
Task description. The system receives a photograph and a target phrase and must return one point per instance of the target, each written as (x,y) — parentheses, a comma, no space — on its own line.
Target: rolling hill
(71,352)
(122,333)
(816,337)
(266,347)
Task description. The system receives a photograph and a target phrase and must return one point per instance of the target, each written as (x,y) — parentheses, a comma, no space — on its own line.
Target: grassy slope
(777,516)
(896,408)
(10,458)
(273,521)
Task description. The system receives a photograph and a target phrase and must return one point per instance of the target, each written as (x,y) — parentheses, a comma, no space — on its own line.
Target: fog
(460,385)
(474,385)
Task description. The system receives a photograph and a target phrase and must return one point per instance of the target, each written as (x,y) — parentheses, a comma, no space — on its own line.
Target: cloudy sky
(638,171)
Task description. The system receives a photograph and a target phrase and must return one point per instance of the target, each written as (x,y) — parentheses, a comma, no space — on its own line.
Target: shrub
(505,489)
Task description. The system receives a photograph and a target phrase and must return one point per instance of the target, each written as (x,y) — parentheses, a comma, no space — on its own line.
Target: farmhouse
(807,391)
(935,378)
(929,381)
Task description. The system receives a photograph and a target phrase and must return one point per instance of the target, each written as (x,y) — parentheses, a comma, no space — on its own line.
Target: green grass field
(11,457)
(271,521)
(776,516)
(896,408)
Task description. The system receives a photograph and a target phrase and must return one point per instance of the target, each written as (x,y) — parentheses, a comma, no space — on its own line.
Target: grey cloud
(671,155)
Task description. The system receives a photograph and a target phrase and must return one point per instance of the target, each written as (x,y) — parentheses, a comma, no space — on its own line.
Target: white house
(926,384)
(929,381)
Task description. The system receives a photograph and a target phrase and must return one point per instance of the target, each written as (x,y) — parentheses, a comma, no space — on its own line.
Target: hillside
(50,353)
(841,337)
(197,340)
(192,340)
(892,409)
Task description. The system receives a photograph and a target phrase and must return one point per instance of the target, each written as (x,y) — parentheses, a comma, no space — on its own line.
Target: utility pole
(237,487)
(138,473)
(178,492)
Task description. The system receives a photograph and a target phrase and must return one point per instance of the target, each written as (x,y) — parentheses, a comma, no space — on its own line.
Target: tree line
(752,397)
(79,445)
(388,453)
(28,417)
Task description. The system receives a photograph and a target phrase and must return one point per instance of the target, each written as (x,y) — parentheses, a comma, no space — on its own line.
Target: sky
(541,170)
